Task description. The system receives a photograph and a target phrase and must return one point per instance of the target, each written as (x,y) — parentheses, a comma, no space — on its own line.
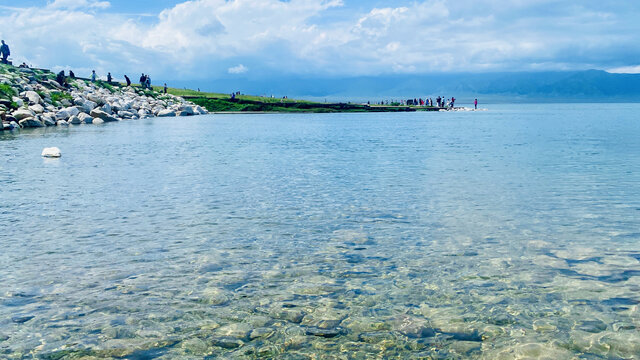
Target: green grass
(105,85)
(57,96)
(240,105)
(7,91)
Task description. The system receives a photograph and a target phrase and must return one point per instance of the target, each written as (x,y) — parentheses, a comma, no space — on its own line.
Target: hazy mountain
(591,85)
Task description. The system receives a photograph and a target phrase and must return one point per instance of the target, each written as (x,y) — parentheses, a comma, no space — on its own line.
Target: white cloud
(625,70)
(209,37)
(240,69)
(76,4)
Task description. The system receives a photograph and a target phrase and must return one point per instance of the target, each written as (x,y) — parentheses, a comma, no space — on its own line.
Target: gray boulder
(102,115)
(73,111)
(85,118)
(89,105)
(37,108)
(186,110)
(166,113)
(107,108)
(125,114)
(33,97)
(30,123)
(23,114)
(48,121)
(62,123)
(63,114)
(75,120)
(98,121)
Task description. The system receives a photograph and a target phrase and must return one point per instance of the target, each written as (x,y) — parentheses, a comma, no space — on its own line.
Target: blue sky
(210,39)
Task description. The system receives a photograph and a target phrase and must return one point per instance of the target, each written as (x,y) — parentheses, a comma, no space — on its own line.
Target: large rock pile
(33,99)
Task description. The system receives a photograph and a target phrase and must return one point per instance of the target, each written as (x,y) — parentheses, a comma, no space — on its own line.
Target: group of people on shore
(145,80)
(440,102)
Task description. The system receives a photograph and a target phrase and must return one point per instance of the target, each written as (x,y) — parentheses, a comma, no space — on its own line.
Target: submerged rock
(226,342)
(413,327)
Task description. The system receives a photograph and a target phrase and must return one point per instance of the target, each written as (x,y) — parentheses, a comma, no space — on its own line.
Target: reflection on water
(506,234)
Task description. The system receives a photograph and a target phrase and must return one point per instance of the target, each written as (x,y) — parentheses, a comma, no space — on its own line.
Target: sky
(211,39)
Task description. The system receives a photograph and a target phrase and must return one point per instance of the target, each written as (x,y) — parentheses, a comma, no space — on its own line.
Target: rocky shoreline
(32,98)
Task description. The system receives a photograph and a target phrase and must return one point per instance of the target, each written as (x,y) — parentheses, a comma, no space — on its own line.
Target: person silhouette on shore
(61,79)
(143,80)
(126,78)
(71,74)
(165,88)
(93,76)
(109,78)
(475,103)
(5,52)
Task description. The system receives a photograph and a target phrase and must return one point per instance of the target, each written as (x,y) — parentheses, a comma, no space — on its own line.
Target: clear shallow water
(512,233)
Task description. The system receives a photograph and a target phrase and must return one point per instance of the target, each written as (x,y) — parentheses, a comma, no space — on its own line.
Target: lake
(508,233)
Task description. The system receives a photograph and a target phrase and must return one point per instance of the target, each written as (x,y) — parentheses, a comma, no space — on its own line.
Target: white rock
(63,114)
(166,113)
(85,118)
(33,97)
(98,121)
(62,123)
(106,108)
(89,105)
(23,114)
(48,121)
(37,108)
(52,152)
(72,110)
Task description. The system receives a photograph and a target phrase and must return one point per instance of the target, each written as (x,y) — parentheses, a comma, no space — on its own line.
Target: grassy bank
(218,102)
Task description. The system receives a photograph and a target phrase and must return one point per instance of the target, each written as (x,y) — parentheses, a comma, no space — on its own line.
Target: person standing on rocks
(109,78)
(143,80)
(126,78)
(148,82)
(93,76)
(5,52)
(165,88)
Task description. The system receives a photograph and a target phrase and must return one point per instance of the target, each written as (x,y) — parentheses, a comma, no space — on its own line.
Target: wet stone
(226,342)
(325,333)
(195,346)
(291,315)
(21,319)
(237,331)
(412,327)
(591,326)
(261,333)
(375,337)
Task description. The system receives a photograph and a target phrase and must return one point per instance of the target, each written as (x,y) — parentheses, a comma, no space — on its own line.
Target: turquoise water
(511,233)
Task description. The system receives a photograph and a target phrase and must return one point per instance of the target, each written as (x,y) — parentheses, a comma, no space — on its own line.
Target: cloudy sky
(225,38)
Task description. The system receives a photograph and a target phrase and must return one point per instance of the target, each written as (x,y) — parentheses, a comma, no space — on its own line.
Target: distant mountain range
(590,85)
